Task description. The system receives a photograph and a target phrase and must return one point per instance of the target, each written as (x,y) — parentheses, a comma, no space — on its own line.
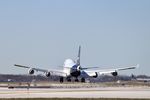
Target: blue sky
(43,33)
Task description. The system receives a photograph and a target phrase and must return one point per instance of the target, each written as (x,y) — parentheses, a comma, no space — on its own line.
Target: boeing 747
(73,68)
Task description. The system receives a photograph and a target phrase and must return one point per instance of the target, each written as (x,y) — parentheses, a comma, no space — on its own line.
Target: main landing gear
(83,80)
(69,79)
(61,80)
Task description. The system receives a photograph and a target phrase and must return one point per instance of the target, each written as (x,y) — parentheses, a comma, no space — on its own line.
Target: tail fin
(78,59)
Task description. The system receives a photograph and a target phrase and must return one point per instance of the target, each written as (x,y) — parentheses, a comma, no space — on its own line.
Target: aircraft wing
(52,72)
(95,73)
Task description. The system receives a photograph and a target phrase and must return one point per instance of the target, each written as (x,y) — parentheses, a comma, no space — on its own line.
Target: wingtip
(15,64)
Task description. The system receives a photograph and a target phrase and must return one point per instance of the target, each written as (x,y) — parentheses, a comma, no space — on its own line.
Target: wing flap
(109,71)
(126,68)
(53,72)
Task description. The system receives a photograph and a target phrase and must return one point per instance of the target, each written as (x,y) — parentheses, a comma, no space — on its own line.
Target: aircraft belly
(76,73)
(67,71)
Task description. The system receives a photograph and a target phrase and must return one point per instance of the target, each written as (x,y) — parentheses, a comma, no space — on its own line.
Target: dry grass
(72,99)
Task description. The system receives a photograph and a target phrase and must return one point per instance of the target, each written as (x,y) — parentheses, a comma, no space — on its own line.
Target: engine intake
(31,71)
(114,73)
(48,74)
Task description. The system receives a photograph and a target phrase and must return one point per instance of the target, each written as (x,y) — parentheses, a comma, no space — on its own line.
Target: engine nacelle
(114,73)
(96,75)
(47,74)
(92,74)
(31,71)
(79,68)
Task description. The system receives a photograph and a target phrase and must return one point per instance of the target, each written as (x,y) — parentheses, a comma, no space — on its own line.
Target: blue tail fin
(78,59)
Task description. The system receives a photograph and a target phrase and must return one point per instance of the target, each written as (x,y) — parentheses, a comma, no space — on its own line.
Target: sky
(43,33)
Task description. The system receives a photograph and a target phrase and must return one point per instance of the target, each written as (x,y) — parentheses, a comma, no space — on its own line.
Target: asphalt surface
(101,92)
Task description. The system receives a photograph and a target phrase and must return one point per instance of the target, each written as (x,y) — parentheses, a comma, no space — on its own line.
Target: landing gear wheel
(61,79)
(83,80)
(76,80)
(115,78)
(68,79)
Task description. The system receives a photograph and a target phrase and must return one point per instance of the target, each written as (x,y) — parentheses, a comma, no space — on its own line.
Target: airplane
(134,78)
(72,68)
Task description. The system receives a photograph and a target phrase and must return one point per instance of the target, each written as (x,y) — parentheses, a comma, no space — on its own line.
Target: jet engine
(47,74)
(79,68)
(93,74)
(96,75)
(114,73)
(31,71)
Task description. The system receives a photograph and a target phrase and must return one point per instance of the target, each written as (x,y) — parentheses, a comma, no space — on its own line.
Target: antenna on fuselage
(78,59)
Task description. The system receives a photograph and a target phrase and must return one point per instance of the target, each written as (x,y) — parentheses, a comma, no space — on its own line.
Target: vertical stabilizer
(78,59)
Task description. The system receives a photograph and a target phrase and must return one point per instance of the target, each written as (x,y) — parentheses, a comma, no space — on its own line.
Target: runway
(101,92)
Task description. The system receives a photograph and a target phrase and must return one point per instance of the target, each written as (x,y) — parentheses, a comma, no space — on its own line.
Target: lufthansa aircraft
(73,68)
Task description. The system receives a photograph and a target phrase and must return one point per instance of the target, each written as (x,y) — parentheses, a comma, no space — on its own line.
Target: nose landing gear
(76,80)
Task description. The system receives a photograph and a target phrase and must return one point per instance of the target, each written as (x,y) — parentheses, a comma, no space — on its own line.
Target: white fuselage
(68,64)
